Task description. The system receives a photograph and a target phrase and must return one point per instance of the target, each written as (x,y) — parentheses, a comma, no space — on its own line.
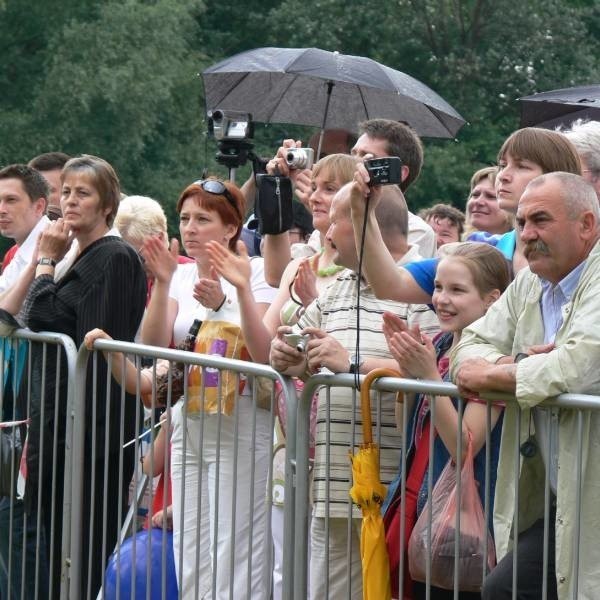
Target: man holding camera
(378,138)
(330,326)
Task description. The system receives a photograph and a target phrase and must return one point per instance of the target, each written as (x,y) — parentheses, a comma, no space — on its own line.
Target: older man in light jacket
(539,340)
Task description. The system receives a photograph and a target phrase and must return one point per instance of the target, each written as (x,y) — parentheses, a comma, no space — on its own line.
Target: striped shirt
(335,313)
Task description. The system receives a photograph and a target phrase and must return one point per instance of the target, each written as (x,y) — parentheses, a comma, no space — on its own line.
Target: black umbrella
(308,86)
(561,107)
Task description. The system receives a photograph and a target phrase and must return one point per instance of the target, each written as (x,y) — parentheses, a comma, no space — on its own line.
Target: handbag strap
(420,461)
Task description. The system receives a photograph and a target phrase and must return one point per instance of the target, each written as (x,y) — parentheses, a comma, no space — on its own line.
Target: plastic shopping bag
(472,535)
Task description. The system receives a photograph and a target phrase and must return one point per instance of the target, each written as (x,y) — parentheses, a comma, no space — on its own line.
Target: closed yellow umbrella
(368,493)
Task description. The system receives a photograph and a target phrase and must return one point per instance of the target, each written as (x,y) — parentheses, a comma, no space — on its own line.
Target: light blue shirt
(554,297)
(552,301)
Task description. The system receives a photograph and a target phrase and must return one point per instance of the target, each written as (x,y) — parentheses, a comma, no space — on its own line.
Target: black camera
(384,171)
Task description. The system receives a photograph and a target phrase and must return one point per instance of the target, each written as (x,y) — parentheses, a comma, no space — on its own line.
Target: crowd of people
(500,297)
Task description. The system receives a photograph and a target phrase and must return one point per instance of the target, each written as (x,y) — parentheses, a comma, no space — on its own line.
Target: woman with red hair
(219,461)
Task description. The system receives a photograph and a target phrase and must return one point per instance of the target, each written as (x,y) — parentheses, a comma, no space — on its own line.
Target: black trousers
(530,548)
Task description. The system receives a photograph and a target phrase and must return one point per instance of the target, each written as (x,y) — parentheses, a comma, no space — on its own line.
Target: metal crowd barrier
(297,588)
(69,551)
(32,547)
(235,480)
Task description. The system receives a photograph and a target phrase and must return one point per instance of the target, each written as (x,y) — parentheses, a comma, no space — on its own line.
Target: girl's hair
(102,177)
(339,167)
(487,266)
(550,150)
(230,210)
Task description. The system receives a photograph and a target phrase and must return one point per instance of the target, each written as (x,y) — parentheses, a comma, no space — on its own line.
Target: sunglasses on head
(216,187)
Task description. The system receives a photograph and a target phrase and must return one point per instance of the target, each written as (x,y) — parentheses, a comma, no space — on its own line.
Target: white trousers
(218,484)
(335,572)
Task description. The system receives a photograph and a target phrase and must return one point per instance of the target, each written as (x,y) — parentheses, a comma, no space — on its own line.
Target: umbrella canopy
(560,107)
(308,86)
(368,493)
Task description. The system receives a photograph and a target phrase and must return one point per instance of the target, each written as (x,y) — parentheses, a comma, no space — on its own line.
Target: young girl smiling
(467,282)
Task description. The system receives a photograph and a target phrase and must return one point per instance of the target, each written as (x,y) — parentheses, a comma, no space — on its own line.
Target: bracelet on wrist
(221,305)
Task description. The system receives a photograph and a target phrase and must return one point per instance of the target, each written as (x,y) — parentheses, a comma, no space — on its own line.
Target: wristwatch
(47,262)
(520,356)
(355,364)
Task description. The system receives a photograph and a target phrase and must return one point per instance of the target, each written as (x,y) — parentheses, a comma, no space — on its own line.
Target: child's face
(446,230)
(456,299)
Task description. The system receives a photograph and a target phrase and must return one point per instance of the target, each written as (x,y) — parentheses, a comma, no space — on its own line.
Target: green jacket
(512,325)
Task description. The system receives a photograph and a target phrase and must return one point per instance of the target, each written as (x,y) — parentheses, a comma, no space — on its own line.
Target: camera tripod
(234,154)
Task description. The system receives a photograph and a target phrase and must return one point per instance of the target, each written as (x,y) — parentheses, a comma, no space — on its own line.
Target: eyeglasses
(216,187)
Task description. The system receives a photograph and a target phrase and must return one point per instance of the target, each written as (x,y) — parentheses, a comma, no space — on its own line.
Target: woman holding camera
(216,456)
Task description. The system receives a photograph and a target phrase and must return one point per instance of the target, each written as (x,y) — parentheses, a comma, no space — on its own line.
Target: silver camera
(300,158)
(296,340)
(230,125)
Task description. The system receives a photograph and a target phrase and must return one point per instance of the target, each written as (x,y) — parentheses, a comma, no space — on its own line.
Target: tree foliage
(119,78)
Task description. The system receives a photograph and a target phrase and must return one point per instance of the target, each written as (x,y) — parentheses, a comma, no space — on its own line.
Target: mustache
(538,247)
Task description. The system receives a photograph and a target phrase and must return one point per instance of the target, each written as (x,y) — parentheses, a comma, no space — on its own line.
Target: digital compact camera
(296,340)
(384,171)
(300,158)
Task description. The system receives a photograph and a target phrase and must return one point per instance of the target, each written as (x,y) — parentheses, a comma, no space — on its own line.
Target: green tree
(119,81)
(480,55)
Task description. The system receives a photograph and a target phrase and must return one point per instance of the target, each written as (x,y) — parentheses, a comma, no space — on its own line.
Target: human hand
(279,163)
(305,283)
(394,324)
(93,335)
(208,291)
(302,185)
(157,518)
(323,350)
(54,241)
(161,261)
(283,356)
(471,377)
(361,190)
(235,268)
(417,360)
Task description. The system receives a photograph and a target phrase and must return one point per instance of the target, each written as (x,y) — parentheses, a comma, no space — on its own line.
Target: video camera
(230,125)
(233,132)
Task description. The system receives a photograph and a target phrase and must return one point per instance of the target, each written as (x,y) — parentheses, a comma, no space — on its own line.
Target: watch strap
(355,365)
(47,262)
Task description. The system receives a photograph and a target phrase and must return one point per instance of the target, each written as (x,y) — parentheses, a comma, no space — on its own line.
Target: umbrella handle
(365,399)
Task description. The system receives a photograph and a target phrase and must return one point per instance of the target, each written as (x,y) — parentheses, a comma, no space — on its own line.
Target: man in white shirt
(23,202)
(383,137)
